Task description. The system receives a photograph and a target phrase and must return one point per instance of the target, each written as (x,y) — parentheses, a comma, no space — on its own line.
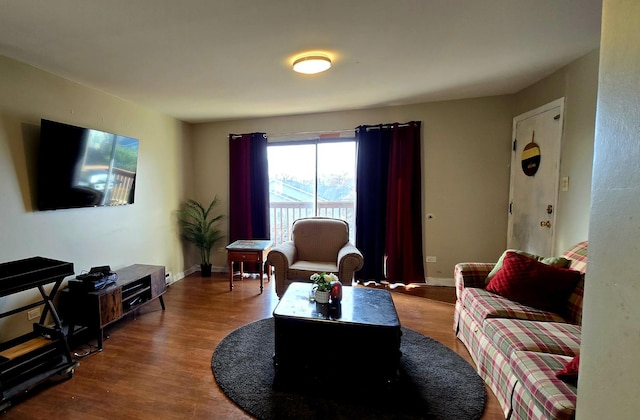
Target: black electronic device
(90,276)
(82,167)
(92,285)
(104,269)
(96,273)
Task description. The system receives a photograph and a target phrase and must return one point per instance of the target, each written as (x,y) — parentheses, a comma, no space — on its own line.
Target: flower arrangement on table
(322,282)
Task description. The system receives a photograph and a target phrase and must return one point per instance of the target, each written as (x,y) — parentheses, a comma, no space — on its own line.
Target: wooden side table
(248,251)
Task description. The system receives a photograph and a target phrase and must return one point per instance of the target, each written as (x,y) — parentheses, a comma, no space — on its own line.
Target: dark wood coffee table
(357,340)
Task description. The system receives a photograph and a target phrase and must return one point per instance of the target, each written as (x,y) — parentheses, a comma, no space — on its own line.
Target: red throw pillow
(569,372)
(532,283)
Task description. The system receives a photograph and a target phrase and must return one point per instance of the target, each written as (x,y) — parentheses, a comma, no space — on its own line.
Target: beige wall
(141,233)
(609,368)
(466,157)
(578,84)
(465,148)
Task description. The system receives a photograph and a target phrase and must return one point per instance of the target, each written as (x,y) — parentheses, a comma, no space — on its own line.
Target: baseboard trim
(179,276)
(440,281)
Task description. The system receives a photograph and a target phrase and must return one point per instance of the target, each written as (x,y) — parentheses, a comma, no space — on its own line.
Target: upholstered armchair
(318,244)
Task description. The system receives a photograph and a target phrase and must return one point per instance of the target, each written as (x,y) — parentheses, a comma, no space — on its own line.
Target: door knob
(545,224)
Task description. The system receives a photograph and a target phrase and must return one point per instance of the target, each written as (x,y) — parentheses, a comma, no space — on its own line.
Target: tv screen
(82,167)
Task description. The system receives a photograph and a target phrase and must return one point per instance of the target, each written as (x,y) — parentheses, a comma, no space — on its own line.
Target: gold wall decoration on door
(531,157)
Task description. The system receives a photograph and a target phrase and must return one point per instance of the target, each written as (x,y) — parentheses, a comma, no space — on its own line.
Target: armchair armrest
(350,260)
(281,257)
(471,274)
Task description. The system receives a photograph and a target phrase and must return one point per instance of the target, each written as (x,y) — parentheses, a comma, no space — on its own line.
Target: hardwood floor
(157,364)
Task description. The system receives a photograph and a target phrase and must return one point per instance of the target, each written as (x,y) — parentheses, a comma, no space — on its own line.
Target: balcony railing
(283,214)
(122,185)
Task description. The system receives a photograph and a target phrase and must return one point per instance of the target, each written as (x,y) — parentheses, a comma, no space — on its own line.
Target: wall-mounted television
(83,167)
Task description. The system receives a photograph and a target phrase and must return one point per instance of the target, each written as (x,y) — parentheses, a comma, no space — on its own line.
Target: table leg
(230,275)
(100,339)
(261,275)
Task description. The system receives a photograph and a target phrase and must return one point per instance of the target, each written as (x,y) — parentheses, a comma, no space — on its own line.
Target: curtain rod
(313,136)
(306,134)
(327,133)
(317,133)
(381,126)
(239,136)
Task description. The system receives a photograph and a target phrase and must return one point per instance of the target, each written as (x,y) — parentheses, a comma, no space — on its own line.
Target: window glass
(308,180)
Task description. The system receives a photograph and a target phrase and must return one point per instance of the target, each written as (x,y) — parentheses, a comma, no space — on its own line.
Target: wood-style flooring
(157,364)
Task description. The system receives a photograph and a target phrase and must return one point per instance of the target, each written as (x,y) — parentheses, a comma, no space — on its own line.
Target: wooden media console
(136,285)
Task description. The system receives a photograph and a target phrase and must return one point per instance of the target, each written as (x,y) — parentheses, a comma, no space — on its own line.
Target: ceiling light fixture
(312,64)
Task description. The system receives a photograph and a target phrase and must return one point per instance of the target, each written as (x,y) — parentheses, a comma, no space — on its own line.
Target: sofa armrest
(350,260)
(471,274)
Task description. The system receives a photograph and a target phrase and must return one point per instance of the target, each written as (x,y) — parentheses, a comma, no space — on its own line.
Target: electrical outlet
(565,183)
(431,259)
(222,249)
(33,314)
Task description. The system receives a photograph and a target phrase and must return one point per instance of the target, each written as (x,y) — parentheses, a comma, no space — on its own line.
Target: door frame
(560,102)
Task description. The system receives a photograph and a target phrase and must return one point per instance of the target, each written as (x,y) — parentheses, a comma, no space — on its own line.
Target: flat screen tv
(83,167)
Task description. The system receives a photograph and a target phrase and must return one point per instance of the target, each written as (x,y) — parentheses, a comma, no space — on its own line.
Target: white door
(535,172)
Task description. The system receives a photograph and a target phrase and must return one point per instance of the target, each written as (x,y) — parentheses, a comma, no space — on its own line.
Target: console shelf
(43,353)
(135,286)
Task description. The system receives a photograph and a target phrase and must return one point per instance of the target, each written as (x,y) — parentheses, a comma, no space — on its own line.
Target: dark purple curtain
(388,203)
(371,191)
(248,187)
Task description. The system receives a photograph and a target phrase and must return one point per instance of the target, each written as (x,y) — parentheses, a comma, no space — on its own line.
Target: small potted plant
(322,286)
(198,225)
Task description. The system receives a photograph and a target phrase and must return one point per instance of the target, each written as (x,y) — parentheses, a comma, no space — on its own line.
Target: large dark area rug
(434,382)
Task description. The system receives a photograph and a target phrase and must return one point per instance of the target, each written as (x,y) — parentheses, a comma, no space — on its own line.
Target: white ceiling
(206,60)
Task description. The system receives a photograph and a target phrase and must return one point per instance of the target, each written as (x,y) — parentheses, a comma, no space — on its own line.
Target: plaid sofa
(518,349)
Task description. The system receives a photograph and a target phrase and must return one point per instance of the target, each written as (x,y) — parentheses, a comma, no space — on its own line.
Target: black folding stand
(37,356)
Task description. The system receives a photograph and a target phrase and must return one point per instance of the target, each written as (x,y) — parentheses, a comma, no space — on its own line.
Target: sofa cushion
(533,283)
(482,304)
(553,261)
(523,406)
(510,335)
(536,373)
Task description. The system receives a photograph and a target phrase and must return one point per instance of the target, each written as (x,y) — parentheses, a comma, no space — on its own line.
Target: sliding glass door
(311,179)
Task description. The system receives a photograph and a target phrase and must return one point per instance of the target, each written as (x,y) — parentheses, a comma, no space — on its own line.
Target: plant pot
(322,297)
(205,270)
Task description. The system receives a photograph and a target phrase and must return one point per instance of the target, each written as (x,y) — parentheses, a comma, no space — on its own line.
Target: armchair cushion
(319,239)
(300,269)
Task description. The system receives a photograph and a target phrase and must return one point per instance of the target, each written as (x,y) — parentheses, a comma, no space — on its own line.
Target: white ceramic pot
(322,297)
